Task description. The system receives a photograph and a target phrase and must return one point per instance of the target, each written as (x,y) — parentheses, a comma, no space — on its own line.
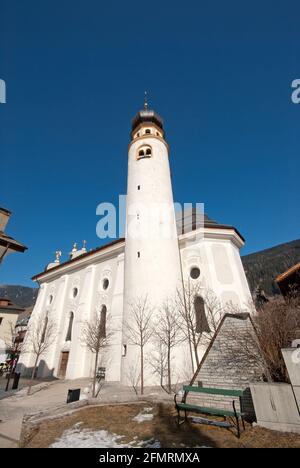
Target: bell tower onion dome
(147,118)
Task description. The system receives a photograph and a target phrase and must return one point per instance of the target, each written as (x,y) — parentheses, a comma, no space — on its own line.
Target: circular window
(105,283)
(50,299)
(195,273)
(75,292)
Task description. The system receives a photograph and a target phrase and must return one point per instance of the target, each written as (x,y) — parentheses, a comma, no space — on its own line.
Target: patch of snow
(209,422)
(141,417)
(76,437)
(144,415)
(150,443)
(84,438)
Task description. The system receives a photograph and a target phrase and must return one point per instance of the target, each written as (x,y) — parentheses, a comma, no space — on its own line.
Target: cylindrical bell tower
(152,262)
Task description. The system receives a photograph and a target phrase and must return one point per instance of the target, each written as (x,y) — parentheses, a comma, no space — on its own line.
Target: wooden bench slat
(213,391)
(207,410)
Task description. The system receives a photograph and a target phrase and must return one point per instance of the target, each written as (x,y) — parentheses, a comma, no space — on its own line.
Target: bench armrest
(175,398)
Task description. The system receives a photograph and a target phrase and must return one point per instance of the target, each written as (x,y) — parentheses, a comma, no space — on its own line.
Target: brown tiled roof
(10,242)
(9,306)
(287,273)
(5,210)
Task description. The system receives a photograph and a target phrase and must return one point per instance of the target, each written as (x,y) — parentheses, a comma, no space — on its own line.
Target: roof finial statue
(57,256)
(74,249)
(84,245)
(146,101)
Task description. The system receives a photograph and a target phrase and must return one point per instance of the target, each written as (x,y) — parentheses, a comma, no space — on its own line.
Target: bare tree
(242,351)
(158,360)
(200,311)
(139,329)
(168,333)
(133,375)
(96,335)
(13,348)
(277,325)
(40,336)
(214,312)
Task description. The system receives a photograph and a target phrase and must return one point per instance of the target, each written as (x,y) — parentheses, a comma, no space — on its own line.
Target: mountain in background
(262,267)
(22,296)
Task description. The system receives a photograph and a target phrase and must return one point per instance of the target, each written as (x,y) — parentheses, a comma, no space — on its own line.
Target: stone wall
(232,361)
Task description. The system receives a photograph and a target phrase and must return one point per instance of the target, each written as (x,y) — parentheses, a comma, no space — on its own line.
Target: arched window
(70,326)
(202,325)
(103,322)
(148,131)
(44,330)
(144,152)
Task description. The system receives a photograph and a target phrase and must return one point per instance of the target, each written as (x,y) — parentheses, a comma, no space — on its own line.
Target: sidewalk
(53,394)
(13,408)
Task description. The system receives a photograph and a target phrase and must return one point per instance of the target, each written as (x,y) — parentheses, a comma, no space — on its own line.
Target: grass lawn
(147,425)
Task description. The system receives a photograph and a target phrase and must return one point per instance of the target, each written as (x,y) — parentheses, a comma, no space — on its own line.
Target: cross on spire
(145,100)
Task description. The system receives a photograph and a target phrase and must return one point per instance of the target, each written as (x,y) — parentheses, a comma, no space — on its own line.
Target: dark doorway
(63,364)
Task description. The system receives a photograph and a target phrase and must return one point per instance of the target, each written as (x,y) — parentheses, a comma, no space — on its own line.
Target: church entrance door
(63,364)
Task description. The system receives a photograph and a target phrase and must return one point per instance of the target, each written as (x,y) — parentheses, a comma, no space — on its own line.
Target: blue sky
(218,72)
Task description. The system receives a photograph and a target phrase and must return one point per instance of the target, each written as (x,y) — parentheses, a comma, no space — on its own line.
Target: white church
(159,254)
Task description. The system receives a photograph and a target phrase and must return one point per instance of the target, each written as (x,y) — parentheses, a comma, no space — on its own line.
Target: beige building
(9,314)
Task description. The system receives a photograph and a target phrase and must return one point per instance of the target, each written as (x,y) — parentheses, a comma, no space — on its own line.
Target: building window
(137,216)
(124,350)
(105,283)
(137,134)
(75,292)
(70,326)
(44,330)
(50,299)
(195,272)
(139,254)
(139,187)
(103,322)
(1,320)
(202,325)
(148,131)
(144,152)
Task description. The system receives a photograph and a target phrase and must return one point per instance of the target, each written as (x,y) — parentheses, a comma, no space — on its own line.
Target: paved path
(13,408)
(53,394)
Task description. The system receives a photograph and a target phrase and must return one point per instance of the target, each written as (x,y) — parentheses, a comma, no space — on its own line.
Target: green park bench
(234,413)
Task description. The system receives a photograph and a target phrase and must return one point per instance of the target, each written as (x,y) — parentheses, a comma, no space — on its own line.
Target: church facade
(161,252)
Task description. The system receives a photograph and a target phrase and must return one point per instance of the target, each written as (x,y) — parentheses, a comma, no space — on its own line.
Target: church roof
(192,219)
(188,223)
(146,116)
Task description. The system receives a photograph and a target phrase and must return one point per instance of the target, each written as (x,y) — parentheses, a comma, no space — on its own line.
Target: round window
(105,283)
(75,292)
(195,273)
